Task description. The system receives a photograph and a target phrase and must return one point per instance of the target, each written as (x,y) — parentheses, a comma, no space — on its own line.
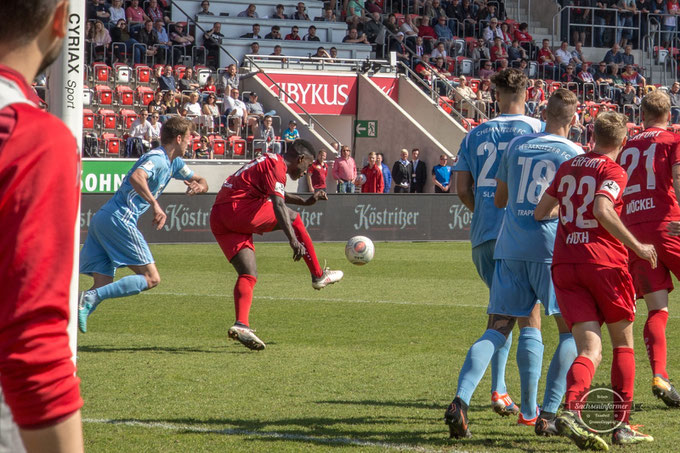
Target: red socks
(310,257)
(623,380)
(243,297)
(655,340)
(579,377)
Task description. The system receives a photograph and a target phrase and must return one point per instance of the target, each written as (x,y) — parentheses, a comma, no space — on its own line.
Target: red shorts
(234,223)
(646,279)
(590,292)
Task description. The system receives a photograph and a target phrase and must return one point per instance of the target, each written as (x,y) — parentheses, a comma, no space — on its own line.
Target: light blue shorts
(518,286)
(112,243)
(482,256)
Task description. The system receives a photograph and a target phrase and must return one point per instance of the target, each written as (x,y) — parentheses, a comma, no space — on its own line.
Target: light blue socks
(529,362)
(477,361)
(556,381)
(126,286)
(498,361)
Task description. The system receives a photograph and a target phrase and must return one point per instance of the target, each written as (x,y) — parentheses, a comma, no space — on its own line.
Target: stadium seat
(553,86)
(88,120)
(445,103)
(179,71)
(125,95)
(675,128)
(123,73)
(128,116)
(463,66)
(474,84)
(111,144)
(108,119)
(218,145)
(88,95)
(202,74)
(400,19)
(237,146)
(144,95)
(104,95)
(633,129)
(142,74)
(101,72)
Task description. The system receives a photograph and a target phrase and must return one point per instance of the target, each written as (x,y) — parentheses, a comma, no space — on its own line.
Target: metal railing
(557,26)
(312,122)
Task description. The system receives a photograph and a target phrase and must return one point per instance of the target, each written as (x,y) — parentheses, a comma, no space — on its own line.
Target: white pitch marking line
(265,434)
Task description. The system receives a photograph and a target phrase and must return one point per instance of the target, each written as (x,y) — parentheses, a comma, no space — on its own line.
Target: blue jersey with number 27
(528,167)
(480,153)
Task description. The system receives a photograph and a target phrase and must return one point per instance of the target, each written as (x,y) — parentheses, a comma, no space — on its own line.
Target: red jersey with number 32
(259,178)
(648,158)
(580,237)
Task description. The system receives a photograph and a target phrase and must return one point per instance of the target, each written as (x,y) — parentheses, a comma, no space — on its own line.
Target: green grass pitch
(368,364)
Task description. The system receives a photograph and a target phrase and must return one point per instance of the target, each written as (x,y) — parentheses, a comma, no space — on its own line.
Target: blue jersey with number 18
(480,153)
(528,167)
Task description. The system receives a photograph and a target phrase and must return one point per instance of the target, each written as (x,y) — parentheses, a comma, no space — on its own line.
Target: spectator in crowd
(387,174)
(205,9)
(613,56)
(249,12)
(169,105)
(162,33)
(154,121)
(278,52)
(141,129)
(432,11)
(99,37)
(670,21)
(577,57)
(211,111)
(632,76)
(441,175)
(180,38)
(480,53)
(506,37)
(491,31)
(409,29)
(193,107)
(486,71)
(269,136)
(291,134)
(279,13)
(328,15)
(524,66)
(254,33)
(374,28)
(497,51)
(468,17)
(627,58)
(439,51)
(674,95)
(345,171)
(627,97)
(600,19)
(584,75)
(333,52)
(418,172)
(515,52)
(187,82)
(293,35)
(256,113)
(311,34)
(117,12)
(275,33)
(465,95)
(101,11)
(452,9)
(232,78)
(353,37)
(320,54)
(547,60)
(536,100)
(209,85)
(568,76)
(155,12)
(372,7)
(156,102)
(353,9)
(440,68)
(374,178)
(212,40)
(419,49)
(120,34)
(254,50)
(563,55)
(390,24)
(627,9)
(135,16)
(521,34)
(234,107)
(317,172)
(300,12)
(402,173)
(148,36)
(424,31)
(443,31)
(204,150)
(167,81)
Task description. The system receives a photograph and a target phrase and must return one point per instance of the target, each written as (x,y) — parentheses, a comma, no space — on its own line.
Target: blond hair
(656,105)
(610,129)
(561,106)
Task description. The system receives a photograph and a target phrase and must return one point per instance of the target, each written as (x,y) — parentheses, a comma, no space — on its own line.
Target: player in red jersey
(591,278)
(39,194)
(650,208)
(252,200)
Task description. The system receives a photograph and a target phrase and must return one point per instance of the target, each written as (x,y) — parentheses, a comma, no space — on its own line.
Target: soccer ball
(359,250)
(360,180)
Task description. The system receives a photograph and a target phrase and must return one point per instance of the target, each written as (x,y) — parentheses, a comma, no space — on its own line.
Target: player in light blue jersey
(113,239)
(523,256)
(478,160)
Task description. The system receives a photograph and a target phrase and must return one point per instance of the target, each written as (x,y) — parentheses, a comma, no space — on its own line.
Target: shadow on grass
(156,349)
(418,404)
(357,431)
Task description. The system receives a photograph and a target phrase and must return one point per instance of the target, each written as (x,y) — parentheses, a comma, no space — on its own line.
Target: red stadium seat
(675,128)
(237,146)
(101,72)
(104,95)
(108,119)
(218,145)
(179,71)
(400,18)
(474,84)
(111,144)
(142,73)
(128,116)
(88,119)
(144,95)
(125,95)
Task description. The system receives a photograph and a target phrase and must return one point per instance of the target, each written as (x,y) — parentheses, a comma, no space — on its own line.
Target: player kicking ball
(524,255)
(478,159)
(253,201)
(113,239)
(652,214)
(591,278)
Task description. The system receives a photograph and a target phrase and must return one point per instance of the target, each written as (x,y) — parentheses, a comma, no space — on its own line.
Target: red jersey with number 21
(259,178)
(580,237)
(648,158)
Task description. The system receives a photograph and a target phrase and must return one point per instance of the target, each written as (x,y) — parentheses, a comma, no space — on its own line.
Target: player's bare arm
(603,211)
(138,180)
(464,184)
(547,208)
(196,185)
(500,199)
(283,220)
(294,199)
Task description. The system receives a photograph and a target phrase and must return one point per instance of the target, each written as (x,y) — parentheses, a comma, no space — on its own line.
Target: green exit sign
(366,129)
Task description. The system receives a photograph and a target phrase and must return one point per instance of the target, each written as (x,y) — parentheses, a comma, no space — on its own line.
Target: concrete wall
(397,129)
(423,109)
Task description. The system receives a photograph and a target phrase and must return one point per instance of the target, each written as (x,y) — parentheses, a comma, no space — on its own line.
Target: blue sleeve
(152,164)
(462,163)
(180,170)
